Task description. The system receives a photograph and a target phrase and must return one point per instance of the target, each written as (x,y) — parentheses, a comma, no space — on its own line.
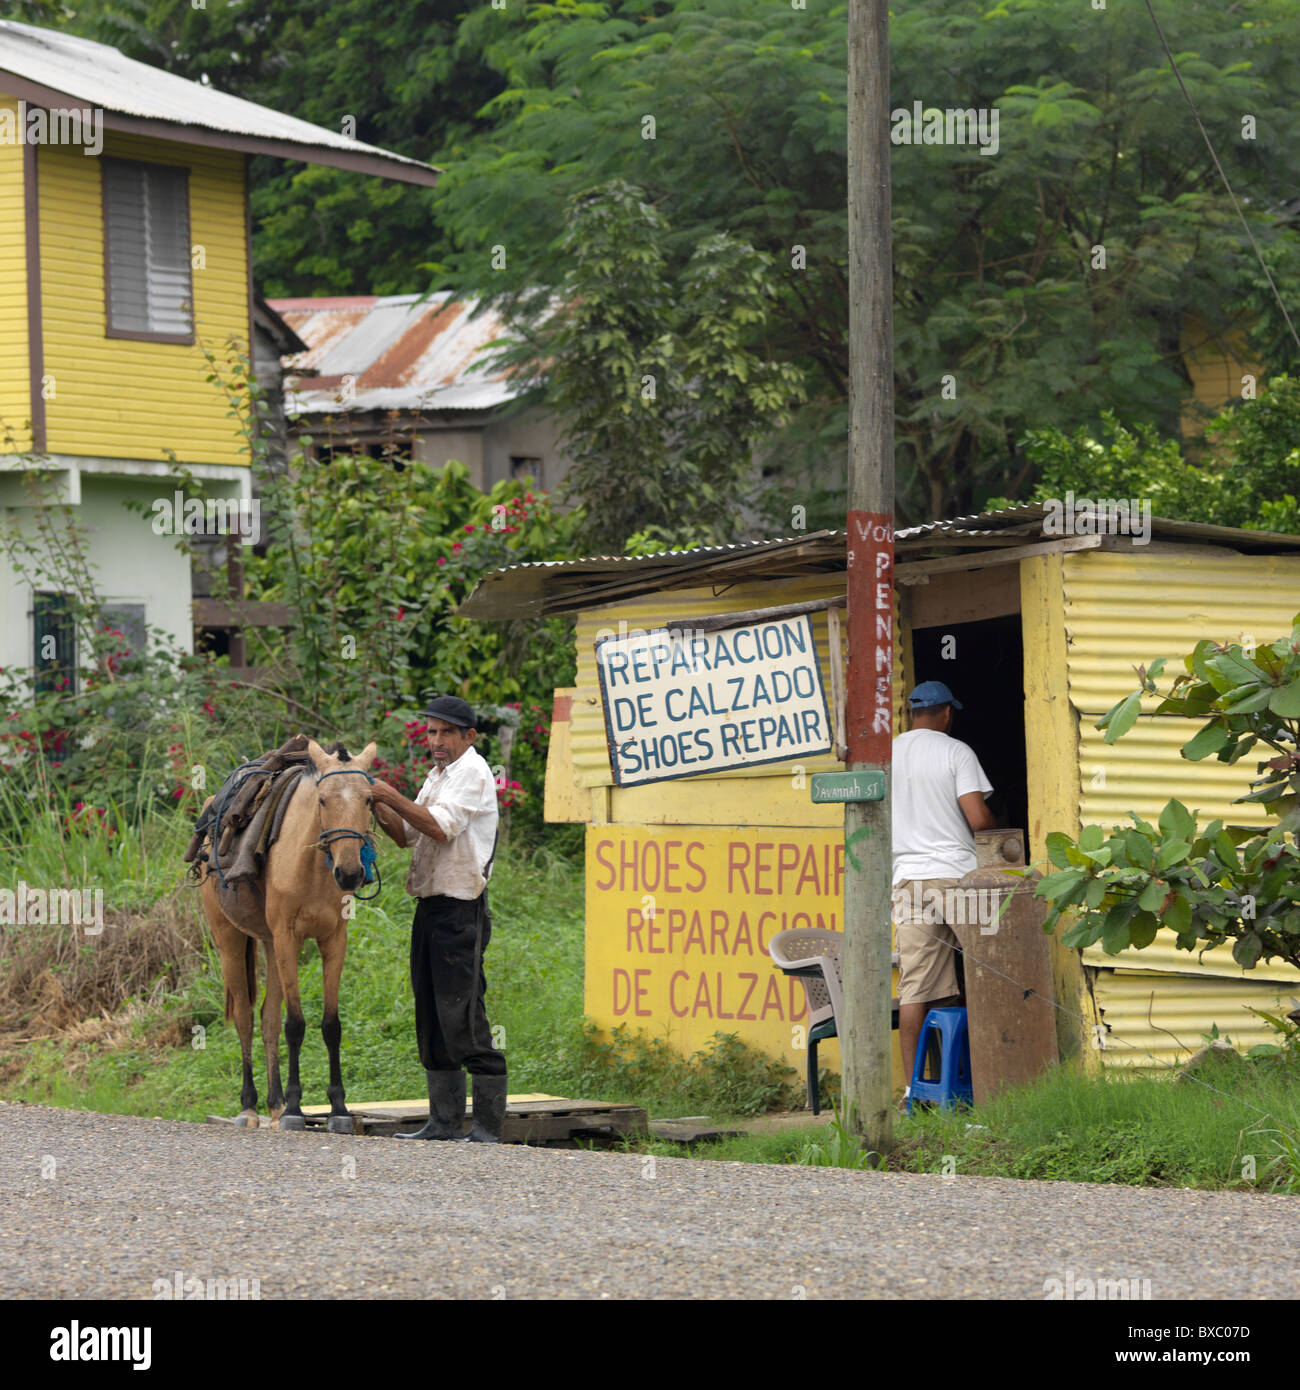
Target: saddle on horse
(241,822)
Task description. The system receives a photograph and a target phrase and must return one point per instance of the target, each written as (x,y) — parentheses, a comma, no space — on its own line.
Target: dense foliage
(1251,479)
(661,433)
(1036,288)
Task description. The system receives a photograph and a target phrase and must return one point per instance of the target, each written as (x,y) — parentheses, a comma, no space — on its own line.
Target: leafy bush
(1208,885)
(1253,482)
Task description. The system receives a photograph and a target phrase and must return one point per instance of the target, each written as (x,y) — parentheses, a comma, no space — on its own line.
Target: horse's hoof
(247,1119)
(293,1122)
(340,1124)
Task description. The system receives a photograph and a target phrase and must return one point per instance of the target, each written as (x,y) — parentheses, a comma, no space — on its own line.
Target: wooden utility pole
(866,1044)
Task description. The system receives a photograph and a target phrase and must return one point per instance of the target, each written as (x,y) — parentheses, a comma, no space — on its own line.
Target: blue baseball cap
(931,693)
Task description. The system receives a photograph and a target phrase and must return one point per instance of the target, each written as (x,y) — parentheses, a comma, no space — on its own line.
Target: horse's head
(343,809)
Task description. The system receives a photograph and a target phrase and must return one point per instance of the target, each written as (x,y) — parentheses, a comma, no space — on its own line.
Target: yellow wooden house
(1037,633)
(125,254)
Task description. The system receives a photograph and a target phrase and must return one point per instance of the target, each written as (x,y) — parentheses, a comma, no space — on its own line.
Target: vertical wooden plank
(837,680)
(1052,765)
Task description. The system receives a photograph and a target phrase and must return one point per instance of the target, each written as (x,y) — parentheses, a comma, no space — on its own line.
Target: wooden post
(235,582)
(867,1036)
(505,747)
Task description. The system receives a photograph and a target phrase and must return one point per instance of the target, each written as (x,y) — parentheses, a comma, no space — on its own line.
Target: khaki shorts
(927,961)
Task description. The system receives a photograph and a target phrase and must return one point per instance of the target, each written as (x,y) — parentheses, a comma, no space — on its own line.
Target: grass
(132,1022)
(1073,1126)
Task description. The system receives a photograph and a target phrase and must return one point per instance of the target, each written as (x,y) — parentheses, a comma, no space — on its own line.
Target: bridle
(369,855)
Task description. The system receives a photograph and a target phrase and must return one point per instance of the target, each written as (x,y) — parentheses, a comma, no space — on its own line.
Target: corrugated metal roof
(544,586)
(400,352)
(99,76)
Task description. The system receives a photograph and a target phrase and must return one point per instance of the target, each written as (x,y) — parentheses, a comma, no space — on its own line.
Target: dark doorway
(982,663)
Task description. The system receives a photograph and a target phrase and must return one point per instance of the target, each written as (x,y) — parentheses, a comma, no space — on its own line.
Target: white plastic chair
(812,955)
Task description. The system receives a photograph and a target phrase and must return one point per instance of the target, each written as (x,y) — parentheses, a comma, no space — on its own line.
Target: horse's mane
(337,750)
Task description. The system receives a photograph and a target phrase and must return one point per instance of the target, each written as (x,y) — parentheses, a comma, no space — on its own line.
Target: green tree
(659,379)
(1252,479)
(1213,884)
(998,280)
(390,71)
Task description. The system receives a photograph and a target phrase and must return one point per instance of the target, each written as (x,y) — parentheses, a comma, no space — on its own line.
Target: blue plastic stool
(945,1029)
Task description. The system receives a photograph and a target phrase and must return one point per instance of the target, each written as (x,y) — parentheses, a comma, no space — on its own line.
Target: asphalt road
(103,1206)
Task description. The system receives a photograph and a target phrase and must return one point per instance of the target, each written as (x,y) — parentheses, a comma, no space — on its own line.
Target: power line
(1209,146)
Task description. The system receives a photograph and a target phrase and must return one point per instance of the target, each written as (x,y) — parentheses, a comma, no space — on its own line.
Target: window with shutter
(147,251)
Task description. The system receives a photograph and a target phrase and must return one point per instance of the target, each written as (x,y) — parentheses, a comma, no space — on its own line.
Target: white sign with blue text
(682,703)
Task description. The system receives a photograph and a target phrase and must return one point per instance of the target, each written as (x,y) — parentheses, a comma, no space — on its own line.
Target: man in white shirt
(451,828)
(937,801)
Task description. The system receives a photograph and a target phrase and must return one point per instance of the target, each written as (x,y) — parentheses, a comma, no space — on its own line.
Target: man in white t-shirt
(937,801)
(451,828)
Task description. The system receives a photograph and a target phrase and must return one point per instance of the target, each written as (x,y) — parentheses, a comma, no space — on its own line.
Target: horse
(312,868)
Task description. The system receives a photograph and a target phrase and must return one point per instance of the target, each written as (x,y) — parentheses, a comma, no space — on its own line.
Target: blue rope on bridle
(369,855)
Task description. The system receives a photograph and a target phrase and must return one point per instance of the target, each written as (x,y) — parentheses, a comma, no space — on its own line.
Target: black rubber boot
(489,1109)
(446,1107)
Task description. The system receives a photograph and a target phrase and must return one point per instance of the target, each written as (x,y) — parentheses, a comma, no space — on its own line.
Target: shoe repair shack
(1038,635)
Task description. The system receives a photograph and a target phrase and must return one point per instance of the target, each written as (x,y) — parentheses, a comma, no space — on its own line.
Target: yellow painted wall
(1126,608)
(118,398)
(1052,770)
(722,980)
(15,391)
(679,920)
(1155,1020)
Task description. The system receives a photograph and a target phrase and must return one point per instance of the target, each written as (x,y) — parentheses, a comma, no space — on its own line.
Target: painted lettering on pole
(869,705)
(678,704)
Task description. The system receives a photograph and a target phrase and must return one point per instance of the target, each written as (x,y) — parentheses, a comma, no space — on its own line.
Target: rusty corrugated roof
(393,352)
(540,587)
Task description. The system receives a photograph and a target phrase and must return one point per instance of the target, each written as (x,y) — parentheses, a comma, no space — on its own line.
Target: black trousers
(448,939)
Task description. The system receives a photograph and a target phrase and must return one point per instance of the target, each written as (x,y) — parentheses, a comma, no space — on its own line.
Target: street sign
(849,786)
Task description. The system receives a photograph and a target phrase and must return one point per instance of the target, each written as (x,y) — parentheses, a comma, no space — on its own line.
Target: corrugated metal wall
(1141,1011)
(15,394)
(1125,608)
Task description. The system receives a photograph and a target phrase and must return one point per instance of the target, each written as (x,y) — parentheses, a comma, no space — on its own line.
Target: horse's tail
(250,975)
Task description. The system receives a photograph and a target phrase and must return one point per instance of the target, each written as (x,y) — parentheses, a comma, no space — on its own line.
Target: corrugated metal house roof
(398,352)
(54,69)
(537,588)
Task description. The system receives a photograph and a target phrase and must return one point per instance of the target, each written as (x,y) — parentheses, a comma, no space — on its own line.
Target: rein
(369,855)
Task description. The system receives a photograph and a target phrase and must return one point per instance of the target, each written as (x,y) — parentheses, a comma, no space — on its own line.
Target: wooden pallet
(533,1118)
